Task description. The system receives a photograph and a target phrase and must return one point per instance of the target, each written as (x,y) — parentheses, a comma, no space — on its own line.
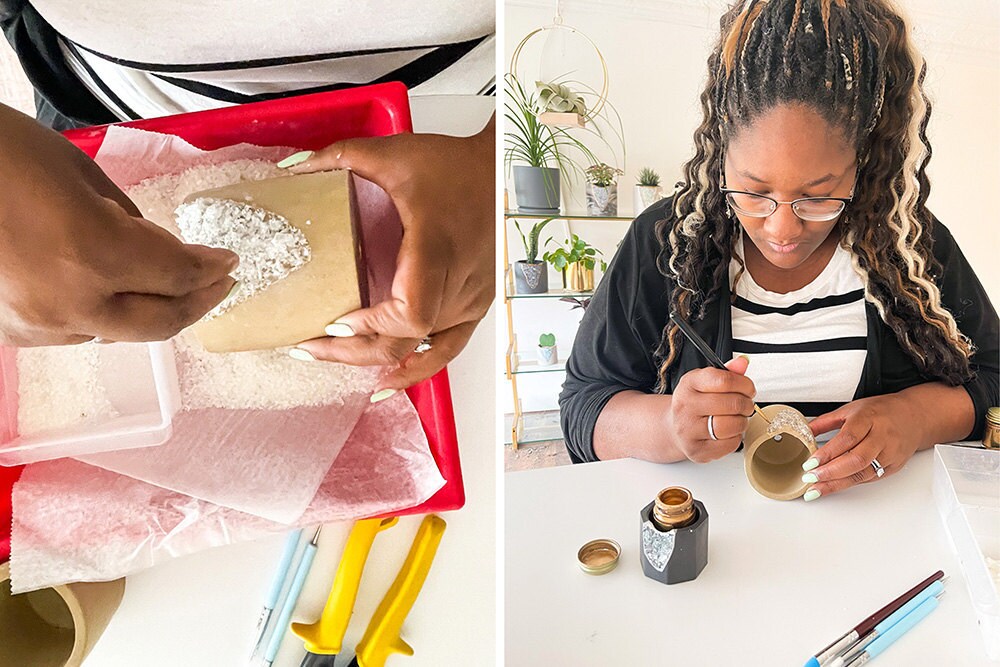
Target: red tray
(309,122)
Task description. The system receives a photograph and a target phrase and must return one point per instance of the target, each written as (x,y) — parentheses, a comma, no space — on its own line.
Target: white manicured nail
(294,159)
(382,395)
(300,354)
(339,330)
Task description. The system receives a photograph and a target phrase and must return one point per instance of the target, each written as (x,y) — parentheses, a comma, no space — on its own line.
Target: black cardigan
(614,347)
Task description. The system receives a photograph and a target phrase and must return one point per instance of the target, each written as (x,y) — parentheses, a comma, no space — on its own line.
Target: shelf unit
(541,426)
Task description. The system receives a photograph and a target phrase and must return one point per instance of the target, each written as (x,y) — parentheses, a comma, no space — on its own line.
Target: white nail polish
(233,290)
(339,330)
(294,159)
(383,394)
(301,355)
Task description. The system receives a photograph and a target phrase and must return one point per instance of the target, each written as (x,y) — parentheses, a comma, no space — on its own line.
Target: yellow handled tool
(382,637)
(326,636)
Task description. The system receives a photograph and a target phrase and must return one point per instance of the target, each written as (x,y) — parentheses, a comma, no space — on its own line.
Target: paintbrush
(706,351)
(844,642)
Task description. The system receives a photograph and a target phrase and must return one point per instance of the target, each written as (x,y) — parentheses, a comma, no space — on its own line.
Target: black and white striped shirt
(807,348)
(147,59)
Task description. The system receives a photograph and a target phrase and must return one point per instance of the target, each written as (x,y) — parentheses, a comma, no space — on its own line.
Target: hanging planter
(563,107)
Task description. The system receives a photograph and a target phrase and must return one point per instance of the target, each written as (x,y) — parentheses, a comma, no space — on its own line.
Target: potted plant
(647,190)
(602,189)
(576,261)
(535,152)
(547,355)
(530,275)
(560,104)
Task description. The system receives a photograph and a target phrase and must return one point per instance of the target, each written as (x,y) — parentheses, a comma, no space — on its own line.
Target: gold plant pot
(775,452)
(54,627)
(577,278)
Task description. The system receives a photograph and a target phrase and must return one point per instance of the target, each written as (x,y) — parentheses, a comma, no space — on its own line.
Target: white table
(783,579)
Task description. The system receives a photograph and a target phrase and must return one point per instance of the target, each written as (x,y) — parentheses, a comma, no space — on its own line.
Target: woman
(78,262)
(801,242)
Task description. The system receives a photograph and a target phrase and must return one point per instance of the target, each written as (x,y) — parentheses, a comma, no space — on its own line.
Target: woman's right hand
(78,261)
(725,395)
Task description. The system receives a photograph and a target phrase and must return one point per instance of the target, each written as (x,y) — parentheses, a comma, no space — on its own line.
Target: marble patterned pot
(602,201)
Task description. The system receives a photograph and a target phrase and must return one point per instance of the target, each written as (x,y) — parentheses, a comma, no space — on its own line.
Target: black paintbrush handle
(317,660)
(698,341)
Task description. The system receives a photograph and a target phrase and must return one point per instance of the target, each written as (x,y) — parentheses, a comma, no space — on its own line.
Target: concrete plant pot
(536,189)
(531,277)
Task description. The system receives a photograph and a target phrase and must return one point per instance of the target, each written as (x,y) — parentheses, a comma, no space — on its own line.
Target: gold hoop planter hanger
(570,119)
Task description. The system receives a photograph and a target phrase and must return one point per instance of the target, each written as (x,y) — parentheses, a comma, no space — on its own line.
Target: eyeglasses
(810,209)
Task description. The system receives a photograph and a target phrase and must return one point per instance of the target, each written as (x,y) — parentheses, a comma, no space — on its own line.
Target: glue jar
(673,536)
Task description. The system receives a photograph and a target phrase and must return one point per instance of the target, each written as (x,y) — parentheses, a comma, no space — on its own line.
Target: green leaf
(547,340)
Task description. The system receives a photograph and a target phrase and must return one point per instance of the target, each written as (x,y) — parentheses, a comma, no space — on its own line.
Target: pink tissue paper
(76,522)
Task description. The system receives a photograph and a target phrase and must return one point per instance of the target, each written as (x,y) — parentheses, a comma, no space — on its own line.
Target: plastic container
(308,122)
(141,384)
(967,494)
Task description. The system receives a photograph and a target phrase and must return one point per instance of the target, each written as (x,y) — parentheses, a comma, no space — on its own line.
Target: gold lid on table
(599,556)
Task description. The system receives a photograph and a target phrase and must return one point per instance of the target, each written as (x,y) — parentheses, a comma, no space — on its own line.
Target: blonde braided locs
(853,62)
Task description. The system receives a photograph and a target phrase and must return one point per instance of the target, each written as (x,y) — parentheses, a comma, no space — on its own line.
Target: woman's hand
(77,260)
(726,396)
(885,428)
(445,191)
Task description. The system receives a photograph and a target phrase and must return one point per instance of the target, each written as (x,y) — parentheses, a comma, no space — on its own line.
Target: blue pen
(895,632)
(890,621)
(280,576)
(293,595)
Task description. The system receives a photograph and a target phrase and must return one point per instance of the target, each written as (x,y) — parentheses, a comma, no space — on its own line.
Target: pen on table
(895,632)
(278,633)
(706,351)
(866,626)
(882,628)
(278,583)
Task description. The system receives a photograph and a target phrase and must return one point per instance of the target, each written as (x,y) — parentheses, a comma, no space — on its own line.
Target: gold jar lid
(598,556)
(993,416)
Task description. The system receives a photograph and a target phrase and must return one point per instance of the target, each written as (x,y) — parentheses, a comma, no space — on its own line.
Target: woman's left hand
(878,427)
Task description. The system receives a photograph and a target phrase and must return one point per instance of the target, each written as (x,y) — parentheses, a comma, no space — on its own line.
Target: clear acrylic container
(139,382)
(967,494)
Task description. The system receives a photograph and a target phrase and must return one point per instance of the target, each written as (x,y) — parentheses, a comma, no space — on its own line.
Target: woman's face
(788,153)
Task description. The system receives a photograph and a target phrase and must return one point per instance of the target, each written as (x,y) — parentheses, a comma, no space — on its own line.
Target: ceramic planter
(547,355)
(775,452)
(602,200)
(530,277)
(645,196)
(577,278)
(673,552)
(536,189)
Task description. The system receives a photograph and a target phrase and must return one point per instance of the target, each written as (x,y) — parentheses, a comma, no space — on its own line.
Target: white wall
(656,52)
